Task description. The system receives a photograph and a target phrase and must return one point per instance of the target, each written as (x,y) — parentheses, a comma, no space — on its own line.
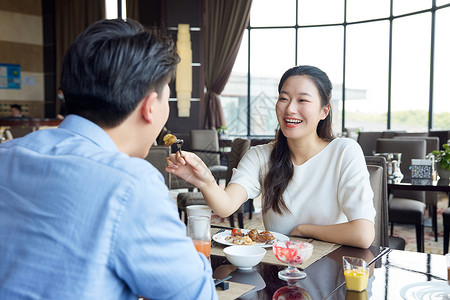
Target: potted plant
(442,158)
(222,131)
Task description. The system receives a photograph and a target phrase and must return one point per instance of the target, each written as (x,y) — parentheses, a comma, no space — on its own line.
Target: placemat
(235,290)
(320,250)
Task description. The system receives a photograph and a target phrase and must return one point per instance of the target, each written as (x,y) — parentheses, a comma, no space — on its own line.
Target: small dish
(244,257)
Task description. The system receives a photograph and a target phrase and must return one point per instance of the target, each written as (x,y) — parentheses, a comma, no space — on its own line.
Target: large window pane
(411,72)
(442,2)
(234,96)
(360,10)
(272,13)
(407,6)
(367,65)
(111,9)
(323,47)
(441,102)
(272,52)
(320,12)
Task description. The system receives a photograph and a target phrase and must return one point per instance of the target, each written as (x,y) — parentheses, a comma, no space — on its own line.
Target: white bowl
(244,257)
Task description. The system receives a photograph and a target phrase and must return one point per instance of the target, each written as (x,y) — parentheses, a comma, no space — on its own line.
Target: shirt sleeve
(250,170)
(151,251)
(355,193)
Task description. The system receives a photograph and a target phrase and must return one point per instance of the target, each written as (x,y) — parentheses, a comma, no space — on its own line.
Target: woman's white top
(332,187)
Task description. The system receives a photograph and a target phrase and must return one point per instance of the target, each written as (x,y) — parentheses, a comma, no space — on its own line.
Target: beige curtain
(224,25)
(71,18)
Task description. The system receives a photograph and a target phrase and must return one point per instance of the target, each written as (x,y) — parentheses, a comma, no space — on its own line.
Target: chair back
(21,130)
(157,157)
(207,142)
(432,143)
(411,134)
(376,165)
(368,141)
(238,149)
(409,148)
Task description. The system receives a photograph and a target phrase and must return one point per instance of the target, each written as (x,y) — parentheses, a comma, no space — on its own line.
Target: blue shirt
(81,220)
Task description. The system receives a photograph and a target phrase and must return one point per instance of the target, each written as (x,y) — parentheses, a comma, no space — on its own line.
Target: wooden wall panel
(21,42)
(29,7)
(20,28)
(29,57)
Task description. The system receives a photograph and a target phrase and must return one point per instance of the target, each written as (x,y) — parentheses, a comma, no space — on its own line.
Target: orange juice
(356,280)
(203,247)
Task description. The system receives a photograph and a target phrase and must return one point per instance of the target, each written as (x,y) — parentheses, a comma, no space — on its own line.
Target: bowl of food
(292,253)
(244,257)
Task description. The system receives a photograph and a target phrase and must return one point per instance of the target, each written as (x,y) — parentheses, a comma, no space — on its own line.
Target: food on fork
(169,139)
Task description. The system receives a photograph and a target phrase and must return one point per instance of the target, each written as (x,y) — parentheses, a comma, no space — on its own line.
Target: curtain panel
(133,9)
(224,25)
(71,18)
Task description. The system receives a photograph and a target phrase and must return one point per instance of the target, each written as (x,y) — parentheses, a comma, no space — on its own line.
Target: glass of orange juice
(199,230)
(356,273)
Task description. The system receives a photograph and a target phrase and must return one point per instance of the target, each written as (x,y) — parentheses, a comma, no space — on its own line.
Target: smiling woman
(311,184)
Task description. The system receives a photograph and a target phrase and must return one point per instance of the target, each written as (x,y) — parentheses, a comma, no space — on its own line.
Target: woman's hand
(190,167)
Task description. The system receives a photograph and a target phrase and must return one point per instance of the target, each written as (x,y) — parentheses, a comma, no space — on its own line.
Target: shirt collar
(89,130)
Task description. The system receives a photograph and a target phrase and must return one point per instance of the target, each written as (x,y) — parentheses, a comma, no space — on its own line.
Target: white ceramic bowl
(244,257)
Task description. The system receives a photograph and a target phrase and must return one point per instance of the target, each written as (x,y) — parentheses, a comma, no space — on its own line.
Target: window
(111,8)
(354,47)
(441,98)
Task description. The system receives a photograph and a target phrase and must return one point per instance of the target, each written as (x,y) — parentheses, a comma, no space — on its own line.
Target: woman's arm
(192,169)
(358,233)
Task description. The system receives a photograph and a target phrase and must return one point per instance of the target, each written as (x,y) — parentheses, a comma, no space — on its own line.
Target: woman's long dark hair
(281,168)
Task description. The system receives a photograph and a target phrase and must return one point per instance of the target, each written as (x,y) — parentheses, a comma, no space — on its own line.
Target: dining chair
(406,207)
(205,143)
(431,198)
(446,220)
(157,157)
(376,165)
(21,130)
(368,141)
(239,147)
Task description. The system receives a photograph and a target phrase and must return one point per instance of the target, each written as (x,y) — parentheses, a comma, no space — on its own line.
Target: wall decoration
(10,76)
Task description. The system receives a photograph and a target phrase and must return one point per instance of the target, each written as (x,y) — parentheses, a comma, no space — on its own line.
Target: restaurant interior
(389,64)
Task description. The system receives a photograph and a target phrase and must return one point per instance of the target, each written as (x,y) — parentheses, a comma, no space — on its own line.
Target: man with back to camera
(81,215)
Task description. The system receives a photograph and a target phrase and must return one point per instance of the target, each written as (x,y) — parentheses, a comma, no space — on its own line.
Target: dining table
(394,274)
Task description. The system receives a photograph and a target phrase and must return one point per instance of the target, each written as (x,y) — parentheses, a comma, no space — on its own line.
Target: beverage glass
(199,230)
(356,273)
(198,210)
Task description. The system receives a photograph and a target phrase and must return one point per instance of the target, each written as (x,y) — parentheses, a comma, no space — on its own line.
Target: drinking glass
(199,230)
(356,273)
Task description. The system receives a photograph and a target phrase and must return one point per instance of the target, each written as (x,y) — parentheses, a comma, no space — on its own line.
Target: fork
(213,242)
(179,143)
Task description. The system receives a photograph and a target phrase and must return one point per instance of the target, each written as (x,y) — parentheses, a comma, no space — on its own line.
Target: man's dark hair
(17,106)
(110,68)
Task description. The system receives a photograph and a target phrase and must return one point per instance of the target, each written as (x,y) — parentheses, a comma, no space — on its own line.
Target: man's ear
(147,108)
